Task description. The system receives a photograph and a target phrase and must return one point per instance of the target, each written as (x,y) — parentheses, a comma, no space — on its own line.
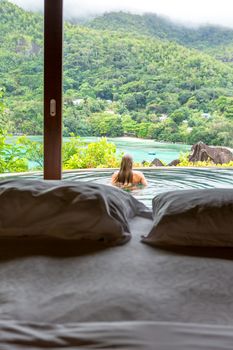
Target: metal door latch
(52,108)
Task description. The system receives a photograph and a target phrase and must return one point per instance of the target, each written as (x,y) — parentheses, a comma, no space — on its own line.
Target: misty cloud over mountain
(188,12)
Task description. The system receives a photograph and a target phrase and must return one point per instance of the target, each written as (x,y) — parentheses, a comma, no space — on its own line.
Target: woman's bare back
(138,178)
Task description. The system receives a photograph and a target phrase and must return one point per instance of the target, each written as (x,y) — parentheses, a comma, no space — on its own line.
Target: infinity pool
(159,179)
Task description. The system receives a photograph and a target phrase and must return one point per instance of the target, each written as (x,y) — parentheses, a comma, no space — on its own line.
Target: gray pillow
(193,218)
(67,210)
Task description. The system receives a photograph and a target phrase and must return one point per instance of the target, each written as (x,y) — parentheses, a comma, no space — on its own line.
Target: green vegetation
(162,28)
(123,74)
(78,155)
(16,156)
(12,157)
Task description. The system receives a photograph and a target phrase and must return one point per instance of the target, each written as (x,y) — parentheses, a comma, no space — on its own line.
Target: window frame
(53,72)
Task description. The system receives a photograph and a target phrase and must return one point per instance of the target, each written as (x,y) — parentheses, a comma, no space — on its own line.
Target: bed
(55,294)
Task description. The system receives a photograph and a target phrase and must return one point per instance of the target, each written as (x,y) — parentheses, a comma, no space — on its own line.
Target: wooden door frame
(53,64)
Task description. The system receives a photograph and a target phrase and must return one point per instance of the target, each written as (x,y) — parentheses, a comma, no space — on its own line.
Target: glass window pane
(21,86)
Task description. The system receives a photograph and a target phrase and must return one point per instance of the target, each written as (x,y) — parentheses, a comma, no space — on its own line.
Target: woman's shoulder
(137,172)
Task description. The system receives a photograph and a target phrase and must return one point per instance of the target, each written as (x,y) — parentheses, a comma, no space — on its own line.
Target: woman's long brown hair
(125,175)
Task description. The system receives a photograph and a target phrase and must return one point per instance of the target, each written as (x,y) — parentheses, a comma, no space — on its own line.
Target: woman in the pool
(126,176)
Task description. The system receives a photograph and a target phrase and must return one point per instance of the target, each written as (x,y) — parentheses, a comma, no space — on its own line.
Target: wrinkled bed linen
(53,282)
(121,335)
(67,210)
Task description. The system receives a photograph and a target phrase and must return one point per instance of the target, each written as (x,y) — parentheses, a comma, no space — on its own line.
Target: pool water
(159,180)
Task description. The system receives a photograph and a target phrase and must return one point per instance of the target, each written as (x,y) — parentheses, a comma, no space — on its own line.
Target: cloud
(29,5)
(188,11)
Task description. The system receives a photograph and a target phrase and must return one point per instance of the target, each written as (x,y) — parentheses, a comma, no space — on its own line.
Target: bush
(99,154)
(12,156)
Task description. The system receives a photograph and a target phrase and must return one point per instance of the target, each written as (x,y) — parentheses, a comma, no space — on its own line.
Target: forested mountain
(122,74)
(215,40)
(21,68)
(162,28)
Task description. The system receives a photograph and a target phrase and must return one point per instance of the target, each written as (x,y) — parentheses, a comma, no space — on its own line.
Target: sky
(187,11)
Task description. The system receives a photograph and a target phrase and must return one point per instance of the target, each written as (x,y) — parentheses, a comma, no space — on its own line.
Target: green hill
(214,40)
(117,80)
(163,28)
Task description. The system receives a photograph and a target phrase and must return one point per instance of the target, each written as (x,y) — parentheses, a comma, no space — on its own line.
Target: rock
(175,162)
(202,152)
(156,162)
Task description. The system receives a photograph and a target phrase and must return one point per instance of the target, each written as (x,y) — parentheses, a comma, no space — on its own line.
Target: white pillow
(193,218)
(67,210)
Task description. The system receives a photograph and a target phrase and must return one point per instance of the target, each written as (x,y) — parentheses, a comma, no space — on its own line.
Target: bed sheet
(115,335)
(57,282)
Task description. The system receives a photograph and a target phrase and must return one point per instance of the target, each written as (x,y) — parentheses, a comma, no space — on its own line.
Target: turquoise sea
(147,150)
